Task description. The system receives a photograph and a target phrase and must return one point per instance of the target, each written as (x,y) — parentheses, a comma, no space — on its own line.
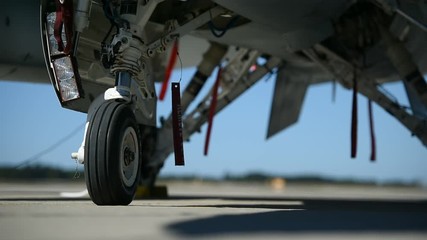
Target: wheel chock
(143,192)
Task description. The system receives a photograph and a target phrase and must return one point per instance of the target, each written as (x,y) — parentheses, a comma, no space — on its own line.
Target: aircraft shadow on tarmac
(314,215)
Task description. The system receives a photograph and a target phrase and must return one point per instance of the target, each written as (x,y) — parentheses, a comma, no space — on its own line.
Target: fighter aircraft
(103,57)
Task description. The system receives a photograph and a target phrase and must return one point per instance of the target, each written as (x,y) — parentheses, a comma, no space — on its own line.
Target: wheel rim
(129,156)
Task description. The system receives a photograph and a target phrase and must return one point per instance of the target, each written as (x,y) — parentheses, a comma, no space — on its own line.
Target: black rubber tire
(104,180)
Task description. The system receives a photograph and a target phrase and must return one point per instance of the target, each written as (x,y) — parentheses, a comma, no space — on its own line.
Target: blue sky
(31,120)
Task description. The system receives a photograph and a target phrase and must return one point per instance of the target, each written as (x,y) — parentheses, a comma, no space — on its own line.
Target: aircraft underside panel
(21,55)
(288,98)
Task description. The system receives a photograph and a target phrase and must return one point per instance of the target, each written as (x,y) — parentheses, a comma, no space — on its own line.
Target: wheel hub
(129,156)
(129,153)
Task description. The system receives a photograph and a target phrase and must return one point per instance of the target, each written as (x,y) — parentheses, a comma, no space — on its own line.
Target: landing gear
(120,137)
(112,154)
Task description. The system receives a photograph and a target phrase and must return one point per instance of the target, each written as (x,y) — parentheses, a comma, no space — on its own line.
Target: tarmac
(216,210)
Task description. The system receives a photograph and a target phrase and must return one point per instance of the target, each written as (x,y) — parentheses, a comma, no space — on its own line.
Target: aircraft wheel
(112,154)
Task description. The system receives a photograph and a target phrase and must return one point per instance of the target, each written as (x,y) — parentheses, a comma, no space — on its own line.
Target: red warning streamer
(371,127)
(169,68)
(64,18)
(177,125)
(212,110)
(354,121)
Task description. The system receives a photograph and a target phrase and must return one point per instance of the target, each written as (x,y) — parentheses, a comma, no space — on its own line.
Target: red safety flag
(169,69)
(372,133)
(64,19)
(212,110)
(177,125)
(354,120)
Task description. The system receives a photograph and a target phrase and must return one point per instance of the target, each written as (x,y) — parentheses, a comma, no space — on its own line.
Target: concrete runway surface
(201,210)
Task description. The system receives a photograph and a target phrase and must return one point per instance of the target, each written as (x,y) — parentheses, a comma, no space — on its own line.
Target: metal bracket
(145,9)
(198,117)
(391,7)
(176,31)
(231,76)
